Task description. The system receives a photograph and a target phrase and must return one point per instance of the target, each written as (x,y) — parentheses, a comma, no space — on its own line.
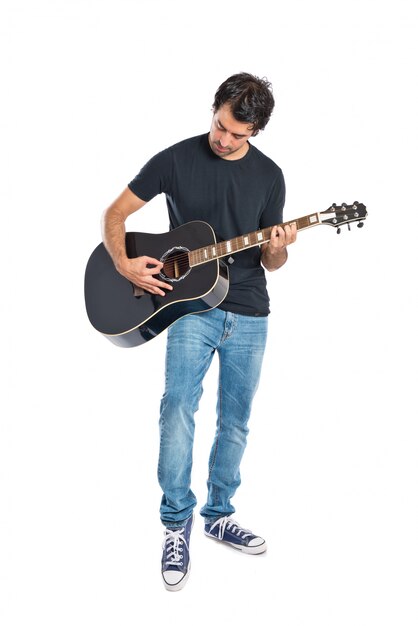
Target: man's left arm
(274,253)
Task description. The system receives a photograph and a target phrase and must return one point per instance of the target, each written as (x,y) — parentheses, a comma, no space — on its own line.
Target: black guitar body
(130,317)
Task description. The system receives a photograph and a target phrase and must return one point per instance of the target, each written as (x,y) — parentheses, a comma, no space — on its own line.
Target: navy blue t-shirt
(234,197)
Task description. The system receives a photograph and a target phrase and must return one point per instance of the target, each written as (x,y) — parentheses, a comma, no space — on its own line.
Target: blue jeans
(192,341)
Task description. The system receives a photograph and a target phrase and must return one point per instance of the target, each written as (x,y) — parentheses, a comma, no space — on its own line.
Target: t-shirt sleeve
(273,212)
(153,178)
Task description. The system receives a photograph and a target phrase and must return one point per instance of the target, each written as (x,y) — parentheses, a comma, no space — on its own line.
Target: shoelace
(174,541)
(227,523)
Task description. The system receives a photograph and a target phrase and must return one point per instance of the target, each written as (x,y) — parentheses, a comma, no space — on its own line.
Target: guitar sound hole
(176,264)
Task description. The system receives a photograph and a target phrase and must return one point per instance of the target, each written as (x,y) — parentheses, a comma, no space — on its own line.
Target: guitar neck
(237,244)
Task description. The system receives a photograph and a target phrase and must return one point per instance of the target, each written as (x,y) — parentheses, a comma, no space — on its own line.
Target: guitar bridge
(138,291)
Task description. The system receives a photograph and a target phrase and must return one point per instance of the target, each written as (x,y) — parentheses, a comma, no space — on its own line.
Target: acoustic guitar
(192,262)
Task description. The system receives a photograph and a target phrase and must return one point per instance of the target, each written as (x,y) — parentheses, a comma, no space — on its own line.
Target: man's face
(227,137)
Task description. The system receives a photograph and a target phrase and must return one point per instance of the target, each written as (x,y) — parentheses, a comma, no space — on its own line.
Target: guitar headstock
(338,215)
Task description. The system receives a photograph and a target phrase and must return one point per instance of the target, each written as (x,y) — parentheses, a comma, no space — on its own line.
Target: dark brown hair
(250,98)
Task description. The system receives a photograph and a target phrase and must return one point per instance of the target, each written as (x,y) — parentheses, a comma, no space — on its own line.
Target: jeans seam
(219,423)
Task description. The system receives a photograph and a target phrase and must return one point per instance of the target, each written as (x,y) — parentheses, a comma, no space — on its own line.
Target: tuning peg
(338,230)
(348,226)
(360,225)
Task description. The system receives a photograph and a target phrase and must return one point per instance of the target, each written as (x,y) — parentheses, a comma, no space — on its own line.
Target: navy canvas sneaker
(175,563)
(227,530)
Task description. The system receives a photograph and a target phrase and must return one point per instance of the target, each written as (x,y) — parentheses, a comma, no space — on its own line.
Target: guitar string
(223,246)
(182,260)
(223,250)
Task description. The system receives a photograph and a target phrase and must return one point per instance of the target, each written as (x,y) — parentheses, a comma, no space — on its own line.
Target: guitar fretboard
(256,238)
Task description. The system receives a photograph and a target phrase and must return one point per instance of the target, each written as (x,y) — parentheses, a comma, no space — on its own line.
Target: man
(224,180)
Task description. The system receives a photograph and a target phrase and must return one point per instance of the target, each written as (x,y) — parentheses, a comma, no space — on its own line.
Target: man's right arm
(142,269)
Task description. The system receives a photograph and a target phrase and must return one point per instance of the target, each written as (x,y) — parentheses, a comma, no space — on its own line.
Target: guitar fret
(256,238)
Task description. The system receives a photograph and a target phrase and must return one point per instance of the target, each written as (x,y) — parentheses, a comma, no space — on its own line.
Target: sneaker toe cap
(255,542)
(172,577)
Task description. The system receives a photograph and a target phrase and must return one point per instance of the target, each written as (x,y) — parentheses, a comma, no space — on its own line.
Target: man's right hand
(141,271)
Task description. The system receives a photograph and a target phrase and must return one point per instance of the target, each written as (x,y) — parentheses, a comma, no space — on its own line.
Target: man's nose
(224,140)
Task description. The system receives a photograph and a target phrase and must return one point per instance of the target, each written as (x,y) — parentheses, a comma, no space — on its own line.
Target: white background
(90,90)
